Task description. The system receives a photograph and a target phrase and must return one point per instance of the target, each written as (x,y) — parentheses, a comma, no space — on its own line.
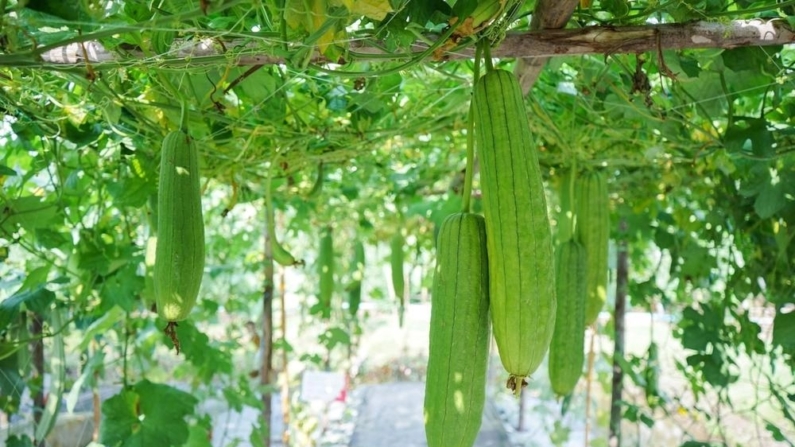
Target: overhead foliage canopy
(373,94)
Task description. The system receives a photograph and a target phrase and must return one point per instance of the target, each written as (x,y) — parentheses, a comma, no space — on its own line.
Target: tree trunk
(285,389)
(622,280)
(549,14)
(266,342)
(589,382)
(96,407)
(37,358)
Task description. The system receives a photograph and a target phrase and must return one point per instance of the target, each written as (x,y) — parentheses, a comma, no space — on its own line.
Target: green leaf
(101,325)
(138,11)
(663,239)
(697,262)
(754,59)
(28,212)
(132,191)
(619,8)
(197,349)
(778,435)
(35,278)
(698,329)
(771,200)
(147,414)
(282,344)
(83,135)
(333,337)
(37,300)
(258,433)
(262,88)
(749,135)
(199,437)
(50,239)
(64,10)
(120,418)
(784,330)
(351,192)
(680,64)
(628,369)
(463,8)
(122,288)
(6,171)
(11,382)
(368,102)
(19,441)
(708,92)
(389,84)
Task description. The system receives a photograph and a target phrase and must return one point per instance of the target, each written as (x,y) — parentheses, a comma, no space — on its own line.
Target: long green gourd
(179,256)
(326,272)
(593,231)
(520,249)
(357,276)
(566,352)
(396,260)
(455,386)
(565,220)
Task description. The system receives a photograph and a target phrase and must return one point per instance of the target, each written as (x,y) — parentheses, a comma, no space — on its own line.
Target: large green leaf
(37,300)
(29,212)
(749,135)
(784,330)
(147,414)
(205,356)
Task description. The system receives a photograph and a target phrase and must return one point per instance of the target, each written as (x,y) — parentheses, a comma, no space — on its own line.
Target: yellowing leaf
(348,4)
(295,13)
(76,115)
(372,9)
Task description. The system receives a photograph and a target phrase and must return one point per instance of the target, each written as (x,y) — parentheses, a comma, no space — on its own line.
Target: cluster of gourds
(502,270)
(499,270)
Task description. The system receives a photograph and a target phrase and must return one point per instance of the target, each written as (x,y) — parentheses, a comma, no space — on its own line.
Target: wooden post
(589,383)
(266,341)
(622,280)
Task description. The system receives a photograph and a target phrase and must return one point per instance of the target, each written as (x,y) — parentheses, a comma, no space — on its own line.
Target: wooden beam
(527,45)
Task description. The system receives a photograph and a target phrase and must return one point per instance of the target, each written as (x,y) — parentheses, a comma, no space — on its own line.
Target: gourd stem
(487,51)
(183,117)
(572,206)
(469,173)
(270,214)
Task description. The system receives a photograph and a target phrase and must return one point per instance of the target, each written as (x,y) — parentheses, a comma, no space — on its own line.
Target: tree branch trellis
(604,40)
